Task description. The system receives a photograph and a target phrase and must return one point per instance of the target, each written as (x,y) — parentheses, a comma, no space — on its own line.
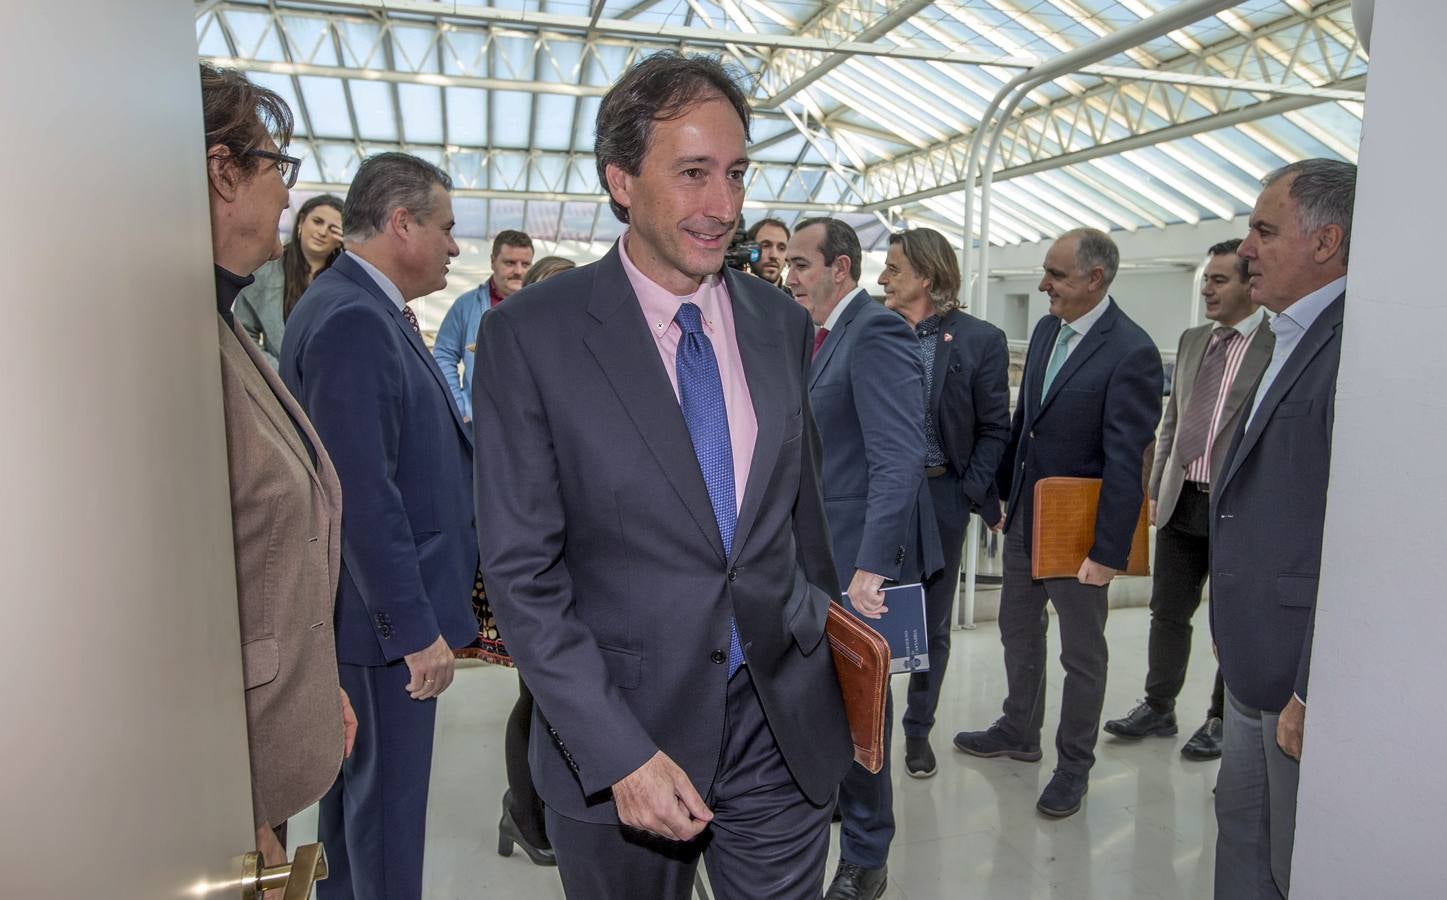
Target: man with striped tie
(1217,367)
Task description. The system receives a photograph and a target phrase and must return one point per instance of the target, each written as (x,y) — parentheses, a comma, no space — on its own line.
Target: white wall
(1373,786)
(1160,301)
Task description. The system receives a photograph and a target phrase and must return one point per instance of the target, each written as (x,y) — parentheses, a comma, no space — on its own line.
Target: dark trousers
(526,806)
(1081,610)
(952,515)
(1255,808)
(373,822)
(1183,560)
(866,807)
(766,838)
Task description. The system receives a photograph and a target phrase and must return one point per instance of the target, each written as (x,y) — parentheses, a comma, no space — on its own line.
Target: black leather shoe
(919,757)
(1206,742)
(1062,796)
(508,835)
(992,742)
(1143,721)
(853,882)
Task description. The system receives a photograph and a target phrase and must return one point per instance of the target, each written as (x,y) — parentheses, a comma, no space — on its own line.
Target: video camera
(742,252)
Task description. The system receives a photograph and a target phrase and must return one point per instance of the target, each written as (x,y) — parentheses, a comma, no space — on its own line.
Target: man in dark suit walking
(866,387)
(1089,403)
(1267,513)
(967,425)
(652,531)
(355,360)
(1217,367)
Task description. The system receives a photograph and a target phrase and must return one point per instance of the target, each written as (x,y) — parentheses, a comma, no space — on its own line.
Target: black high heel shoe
(508,835)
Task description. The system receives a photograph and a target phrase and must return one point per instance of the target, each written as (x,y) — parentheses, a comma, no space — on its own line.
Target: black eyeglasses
(289,167)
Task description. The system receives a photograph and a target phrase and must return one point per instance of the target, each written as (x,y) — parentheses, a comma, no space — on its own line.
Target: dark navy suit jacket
(970,403)
(404,458)
(1096,422)
(602,555)
(866,386)
(1268,510)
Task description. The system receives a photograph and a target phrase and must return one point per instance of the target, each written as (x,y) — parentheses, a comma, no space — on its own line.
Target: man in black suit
(866,387)
(651,526)
(1267,514)
(967,425)
(1089,403)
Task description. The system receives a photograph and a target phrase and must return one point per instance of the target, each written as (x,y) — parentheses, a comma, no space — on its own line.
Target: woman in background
(316,240)
(522,809)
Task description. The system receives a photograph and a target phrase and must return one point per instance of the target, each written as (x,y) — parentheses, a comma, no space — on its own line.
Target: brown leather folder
(861,659)
(1065,529)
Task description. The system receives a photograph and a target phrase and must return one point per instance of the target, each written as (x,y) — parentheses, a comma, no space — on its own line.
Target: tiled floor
(1147,831)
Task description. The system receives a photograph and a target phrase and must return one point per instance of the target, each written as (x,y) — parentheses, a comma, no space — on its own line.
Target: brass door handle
(295,879)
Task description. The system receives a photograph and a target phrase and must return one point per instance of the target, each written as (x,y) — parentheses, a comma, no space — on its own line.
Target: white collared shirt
(1082,325)
(1290,325)
(383,281)
(838,311)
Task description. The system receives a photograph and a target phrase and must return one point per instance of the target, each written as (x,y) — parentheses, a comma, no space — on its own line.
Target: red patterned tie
(819,337)
(411,318)
(1193,434)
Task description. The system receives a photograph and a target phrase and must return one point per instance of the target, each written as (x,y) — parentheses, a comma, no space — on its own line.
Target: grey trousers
(1255,808)
(1081,611)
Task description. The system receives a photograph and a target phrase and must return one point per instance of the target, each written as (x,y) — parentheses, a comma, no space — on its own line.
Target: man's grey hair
(385,182)
(1095,249)
(1325,190)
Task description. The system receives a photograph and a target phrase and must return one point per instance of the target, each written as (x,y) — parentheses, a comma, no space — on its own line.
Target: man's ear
(619,184)
(221,172)
(1327,242)
(400,222)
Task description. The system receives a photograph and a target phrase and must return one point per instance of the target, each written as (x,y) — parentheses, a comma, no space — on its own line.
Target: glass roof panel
(375,108)
(512,118)
(553,125)
(326,105)
(466,116)
(421,112)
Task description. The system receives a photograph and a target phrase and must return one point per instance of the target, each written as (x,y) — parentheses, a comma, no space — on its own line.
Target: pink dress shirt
(712,297)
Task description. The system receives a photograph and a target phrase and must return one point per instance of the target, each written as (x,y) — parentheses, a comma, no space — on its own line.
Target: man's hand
(1000,525)
(865,594)
(1290,727)
(1093,573)
(272,854)
(431,670)
(658,798)
(349,725)
(1153,512)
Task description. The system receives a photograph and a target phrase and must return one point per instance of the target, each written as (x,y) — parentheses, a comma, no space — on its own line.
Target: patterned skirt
(489,646)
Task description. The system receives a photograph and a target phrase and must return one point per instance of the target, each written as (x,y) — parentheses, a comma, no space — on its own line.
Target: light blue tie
(1057,357)
(700,394)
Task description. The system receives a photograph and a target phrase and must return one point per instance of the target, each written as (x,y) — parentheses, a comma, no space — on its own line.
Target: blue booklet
(903,627)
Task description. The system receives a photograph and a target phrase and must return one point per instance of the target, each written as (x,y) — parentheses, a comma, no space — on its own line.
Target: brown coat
(287,518)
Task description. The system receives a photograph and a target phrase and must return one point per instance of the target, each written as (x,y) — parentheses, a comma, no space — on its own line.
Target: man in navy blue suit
(866,386)
(1268,510)
(1089,403)
(355,359)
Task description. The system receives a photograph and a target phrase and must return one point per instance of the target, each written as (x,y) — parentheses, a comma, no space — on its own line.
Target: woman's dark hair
(659,89)
(240,116)
(296,271)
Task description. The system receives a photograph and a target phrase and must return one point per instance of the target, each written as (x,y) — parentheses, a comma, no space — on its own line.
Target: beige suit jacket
(1168,473)
(287,519)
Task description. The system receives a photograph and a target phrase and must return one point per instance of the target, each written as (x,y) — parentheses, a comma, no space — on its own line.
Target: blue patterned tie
(700,394)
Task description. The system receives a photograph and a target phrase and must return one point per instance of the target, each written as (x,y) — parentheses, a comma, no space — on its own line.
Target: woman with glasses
(285,497)
(316,240)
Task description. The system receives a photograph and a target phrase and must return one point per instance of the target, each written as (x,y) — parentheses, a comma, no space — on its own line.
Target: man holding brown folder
(1089,403)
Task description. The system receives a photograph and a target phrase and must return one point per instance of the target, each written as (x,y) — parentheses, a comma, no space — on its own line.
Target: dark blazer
(602,555)
(286,514)
(970,404)
(866,386)
(378,401)
(1267,514)
(1168,472)
(1099,417)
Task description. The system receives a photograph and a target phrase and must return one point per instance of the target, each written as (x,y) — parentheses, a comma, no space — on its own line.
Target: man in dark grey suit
(1217,367)
(866,387)
(1267,513)
(1089,403)
(652,531)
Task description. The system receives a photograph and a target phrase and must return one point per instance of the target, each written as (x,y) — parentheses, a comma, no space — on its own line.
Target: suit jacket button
(718,656)
(733,574)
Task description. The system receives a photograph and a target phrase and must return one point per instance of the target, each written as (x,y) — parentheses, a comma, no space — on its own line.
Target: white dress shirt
(383,281)
(1289,326)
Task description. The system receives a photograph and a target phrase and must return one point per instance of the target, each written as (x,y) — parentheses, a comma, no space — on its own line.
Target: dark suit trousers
(1183,560)
(373,822)
(866,807)
(766,838)
(952,515)
(526,806)
(1081,610)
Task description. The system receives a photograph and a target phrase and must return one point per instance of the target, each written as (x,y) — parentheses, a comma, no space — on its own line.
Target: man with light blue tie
(1268,510)
(1090,399)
